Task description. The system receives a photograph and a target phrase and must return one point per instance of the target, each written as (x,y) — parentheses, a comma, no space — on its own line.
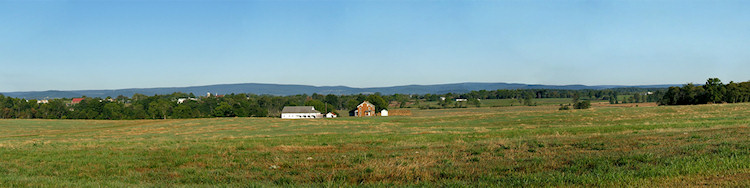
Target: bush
(583,105)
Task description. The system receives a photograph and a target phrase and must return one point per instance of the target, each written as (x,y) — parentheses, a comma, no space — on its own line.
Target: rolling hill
(283,89)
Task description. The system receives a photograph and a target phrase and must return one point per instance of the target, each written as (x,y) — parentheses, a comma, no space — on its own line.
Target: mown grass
(508,146)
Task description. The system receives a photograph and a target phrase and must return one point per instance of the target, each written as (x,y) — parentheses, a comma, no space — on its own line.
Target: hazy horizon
(103,45)
(187,86)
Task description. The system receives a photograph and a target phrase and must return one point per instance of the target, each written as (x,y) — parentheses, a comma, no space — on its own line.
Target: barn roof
(365,102)
(76,100)
(299,109)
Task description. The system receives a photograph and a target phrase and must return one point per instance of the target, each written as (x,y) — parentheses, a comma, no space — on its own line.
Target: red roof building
(76,100)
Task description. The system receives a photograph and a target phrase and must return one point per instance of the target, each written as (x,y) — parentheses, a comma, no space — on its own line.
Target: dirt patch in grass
(399,113)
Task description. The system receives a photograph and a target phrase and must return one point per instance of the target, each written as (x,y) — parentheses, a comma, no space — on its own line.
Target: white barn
(300,112)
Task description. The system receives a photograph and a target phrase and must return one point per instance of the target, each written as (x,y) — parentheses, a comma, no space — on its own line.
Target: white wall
(299,115)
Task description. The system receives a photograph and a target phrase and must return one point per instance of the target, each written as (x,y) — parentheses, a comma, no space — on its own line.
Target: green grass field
(508,146)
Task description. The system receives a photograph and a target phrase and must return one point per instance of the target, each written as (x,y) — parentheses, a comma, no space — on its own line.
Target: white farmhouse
(182,100)
(299,112)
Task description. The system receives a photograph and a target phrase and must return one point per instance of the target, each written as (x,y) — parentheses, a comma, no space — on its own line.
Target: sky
(75,45)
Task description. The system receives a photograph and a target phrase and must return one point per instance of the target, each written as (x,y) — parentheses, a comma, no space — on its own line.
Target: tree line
(614,95)
(178,105)
(182,105)
(714,91)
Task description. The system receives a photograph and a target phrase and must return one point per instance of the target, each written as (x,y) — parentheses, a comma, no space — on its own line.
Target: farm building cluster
(304,112)
(365,109)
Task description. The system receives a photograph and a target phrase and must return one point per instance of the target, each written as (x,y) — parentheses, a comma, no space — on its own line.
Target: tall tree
(733,92)
(528,98)
(351,104)
(160,108)
(333,100)
(319,105)
(714,90)
(224,110)
(184,111)
(112,111)
(378,101)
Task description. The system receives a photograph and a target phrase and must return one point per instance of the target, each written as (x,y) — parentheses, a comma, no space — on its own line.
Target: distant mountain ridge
(285,89)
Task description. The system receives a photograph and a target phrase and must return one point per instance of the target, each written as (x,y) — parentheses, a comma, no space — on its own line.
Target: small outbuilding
(331,115)
(384,112)
(300,112)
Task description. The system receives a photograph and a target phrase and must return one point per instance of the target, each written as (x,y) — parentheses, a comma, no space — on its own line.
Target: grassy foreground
(509,146)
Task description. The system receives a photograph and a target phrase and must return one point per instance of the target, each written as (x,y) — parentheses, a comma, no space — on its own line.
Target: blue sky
(70,45)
